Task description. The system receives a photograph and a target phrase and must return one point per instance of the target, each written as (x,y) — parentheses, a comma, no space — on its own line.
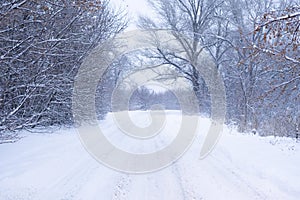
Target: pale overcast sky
(134,8)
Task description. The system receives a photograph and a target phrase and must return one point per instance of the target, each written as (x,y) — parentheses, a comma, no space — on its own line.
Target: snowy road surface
(57,167)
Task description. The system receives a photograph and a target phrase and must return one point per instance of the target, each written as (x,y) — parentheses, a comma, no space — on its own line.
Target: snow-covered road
(57,167)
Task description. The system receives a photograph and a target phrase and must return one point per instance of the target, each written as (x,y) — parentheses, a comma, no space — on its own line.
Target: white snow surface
(242,166)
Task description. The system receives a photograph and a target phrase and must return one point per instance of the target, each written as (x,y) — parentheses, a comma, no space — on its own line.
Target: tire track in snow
(122,188)
(164,184)
(187,192)
(235,178)
(67,187)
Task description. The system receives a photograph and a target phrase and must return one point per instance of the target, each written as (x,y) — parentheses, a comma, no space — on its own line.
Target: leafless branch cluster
(255,46)
(42,44)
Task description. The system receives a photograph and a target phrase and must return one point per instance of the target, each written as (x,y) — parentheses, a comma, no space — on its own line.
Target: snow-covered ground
(57,167)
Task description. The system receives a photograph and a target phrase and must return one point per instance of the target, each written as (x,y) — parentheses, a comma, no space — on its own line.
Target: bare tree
(255,46)
(192,18)
(42,46)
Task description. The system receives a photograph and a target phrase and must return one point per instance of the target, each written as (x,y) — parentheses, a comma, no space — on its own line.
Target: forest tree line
(253,43)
